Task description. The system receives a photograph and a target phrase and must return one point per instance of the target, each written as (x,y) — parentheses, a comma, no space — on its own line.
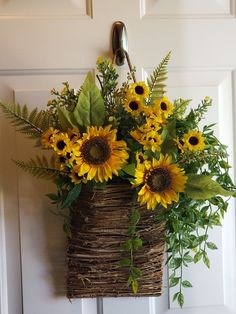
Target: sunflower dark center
(96,151)
(193,140)
(159,180)
(61,145)
(62,159)
(163,106)
(133,105)
(139,90)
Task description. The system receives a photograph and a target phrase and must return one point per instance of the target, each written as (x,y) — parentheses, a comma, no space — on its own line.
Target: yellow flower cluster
(95,155)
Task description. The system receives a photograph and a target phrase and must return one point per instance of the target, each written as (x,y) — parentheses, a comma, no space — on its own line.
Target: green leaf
(137,243)
(186,284)
(197,257)
(188,258)
(66,118)
(201,187)
(129,169)
(67,229)
(134,217)
(127,245)
(72,196)
(136,272)
(135,286)
(125,262)
(173,281)
(175,296)
(211,246)
(52,196)
(206,260)
(90,109)
(180,299)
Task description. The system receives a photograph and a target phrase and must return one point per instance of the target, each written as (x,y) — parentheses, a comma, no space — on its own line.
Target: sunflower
(151,141)
(160,181)
(46,139)
(66,159)
(61,143)
(180,144)
(133,105)
(100,154)
(164,106)
(74,176)
(152,114)
(193,141)
(139,89)
(73,134)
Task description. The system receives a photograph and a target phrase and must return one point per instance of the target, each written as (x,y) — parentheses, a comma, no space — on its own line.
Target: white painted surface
(46,42)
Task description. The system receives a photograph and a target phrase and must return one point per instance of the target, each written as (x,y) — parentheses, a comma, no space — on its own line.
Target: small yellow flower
(73,134)
(133,105)
(61,143)
(100,60)
(140,158)
(139,89)
(180,144)
(46,139)
(193,141)
(75,177)
(164,106)
(151,140)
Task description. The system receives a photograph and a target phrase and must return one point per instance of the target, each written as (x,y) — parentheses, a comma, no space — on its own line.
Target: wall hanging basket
(99,226)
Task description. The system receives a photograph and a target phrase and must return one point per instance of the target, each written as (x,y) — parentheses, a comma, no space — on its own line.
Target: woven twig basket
(99,226)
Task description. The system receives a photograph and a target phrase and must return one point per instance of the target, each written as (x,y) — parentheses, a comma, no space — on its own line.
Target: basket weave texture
(99,226)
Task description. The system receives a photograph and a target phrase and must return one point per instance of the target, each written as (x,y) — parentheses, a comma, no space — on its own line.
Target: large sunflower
(161,180)
(100,154)
(193,141)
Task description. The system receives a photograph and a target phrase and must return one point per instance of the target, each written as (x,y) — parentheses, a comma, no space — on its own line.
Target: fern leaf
(40,168)
(156,81)
(32,124)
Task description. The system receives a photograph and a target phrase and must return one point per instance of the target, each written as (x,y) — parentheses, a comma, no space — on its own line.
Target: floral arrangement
(134,133)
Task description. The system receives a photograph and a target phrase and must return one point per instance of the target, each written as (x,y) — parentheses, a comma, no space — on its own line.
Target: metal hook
(119,42)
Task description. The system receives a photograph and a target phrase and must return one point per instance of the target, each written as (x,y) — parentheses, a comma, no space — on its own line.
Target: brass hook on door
(120,46)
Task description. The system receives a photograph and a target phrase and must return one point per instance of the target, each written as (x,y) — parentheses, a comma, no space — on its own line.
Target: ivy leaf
(206,260)
(180,299)
(211,246)
(201,187)
(135,286)
(72,196)
(127,245)
(134,217)
(90,109)
(174,281)
(186,284)
(137,243)
(125,262)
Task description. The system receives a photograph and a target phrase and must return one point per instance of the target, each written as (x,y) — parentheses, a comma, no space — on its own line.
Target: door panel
(45,43)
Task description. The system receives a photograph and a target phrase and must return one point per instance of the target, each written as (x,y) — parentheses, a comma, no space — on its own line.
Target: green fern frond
(156,80)
(40,167)
(31,124)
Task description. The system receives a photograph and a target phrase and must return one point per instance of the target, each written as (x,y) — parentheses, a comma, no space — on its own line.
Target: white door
(44,43)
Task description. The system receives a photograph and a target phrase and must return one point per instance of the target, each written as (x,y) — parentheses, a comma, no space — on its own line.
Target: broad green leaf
(129,169)
(90,109)
(202,187)
(72,196)
(206,260)
(168,135)
(66,118)
(197,257)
